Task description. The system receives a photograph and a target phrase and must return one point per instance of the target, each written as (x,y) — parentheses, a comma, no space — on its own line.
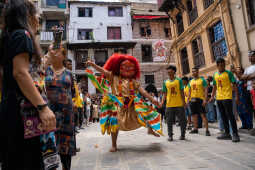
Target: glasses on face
(251,53)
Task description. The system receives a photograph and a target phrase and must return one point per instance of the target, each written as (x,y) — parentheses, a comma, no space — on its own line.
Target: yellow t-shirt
(197,88)
(173,89)
(186,93)
(223,82)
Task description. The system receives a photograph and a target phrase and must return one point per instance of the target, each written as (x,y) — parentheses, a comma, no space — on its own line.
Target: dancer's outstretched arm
(98,68)
(147,95)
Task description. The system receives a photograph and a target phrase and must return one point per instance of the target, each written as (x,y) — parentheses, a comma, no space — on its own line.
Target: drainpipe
(225,33)
(234,30)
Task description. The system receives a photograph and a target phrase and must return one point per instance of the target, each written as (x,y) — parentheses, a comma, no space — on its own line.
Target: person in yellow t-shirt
(185,81)
(197,100)
(175,102)
(223,82)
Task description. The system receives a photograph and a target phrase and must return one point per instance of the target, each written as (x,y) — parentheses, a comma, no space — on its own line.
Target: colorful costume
(122,107)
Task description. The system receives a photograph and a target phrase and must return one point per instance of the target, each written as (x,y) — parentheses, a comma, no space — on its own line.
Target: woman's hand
(48,119)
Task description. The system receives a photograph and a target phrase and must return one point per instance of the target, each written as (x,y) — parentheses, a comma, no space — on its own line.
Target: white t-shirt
(249,70)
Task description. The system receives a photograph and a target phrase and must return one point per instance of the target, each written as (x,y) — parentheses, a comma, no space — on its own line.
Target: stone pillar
(207,48)
(190,56)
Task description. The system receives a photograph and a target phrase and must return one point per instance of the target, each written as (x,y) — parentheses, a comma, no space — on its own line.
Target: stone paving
(139,151)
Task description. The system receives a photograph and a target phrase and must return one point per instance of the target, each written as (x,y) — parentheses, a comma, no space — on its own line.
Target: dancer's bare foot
(151,132)
(113,149)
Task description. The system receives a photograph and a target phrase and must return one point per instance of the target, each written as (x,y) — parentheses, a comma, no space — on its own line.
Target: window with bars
(147,53)
(115,11)
(101,57)
(185,61)
(85,12)
(114,33)
(198,54)
(149,79)
(251,11)
(218,43)
(80,59)
(85,34)
(207,3)
(180,27)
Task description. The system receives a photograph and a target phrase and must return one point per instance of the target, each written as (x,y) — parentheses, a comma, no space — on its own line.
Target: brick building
(150,26)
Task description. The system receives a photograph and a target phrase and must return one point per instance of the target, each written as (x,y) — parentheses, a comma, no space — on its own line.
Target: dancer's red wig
(113,64)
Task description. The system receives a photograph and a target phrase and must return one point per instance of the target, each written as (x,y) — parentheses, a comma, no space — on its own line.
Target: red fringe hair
(113,64)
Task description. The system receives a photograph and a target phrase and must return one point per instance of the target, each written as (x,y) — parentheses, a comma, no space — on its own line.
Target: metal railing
(48,36)
(193,15)
(207,3)
(199,59)
(56,4)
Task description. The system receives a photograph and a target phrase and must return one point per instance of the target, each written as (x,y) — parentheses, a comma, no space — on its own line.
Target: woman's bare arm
(26,84)
(106,73)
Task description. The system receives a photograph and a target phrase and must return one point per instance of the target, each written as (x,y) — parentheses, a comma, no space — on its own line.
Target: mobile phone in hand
(57,39)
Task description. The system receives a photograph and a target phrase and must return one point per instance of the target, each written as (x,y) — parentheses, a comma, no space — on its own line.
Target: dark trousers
(226,110)
(171,112)
(81,118)
(66,161)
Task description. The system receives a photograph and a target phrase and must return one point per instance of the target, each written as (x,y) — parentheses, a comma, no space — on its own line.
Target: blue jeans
(210,112)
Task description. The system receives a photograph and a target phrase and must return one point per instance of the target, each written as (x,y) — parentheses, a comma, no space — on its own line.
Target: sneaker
(182,137)
(207,133)
(224,136)
(170,138)
(235,138)
(194,131)
(78,149)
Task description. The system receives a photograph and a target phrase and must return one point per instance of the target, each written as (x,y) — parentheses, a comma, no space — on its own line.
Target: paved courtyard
(139,151)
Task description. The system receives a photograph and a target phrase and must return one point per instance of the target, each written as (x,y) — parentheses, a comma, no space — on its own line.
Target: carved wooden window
(179,20)
(145,30)
(218,42)
(80,59)
(185,61)
(207,3)
(198,54)
(192,10)
(251,11)
(149,79)
(146,53)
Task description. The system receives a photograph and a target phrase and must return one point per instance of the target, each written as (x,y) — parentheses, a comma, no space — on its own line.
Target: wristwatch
(40,107)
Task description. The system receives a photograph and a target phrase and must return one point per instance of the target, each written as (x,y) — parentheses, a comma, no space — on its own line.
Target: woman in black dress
(17,49)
